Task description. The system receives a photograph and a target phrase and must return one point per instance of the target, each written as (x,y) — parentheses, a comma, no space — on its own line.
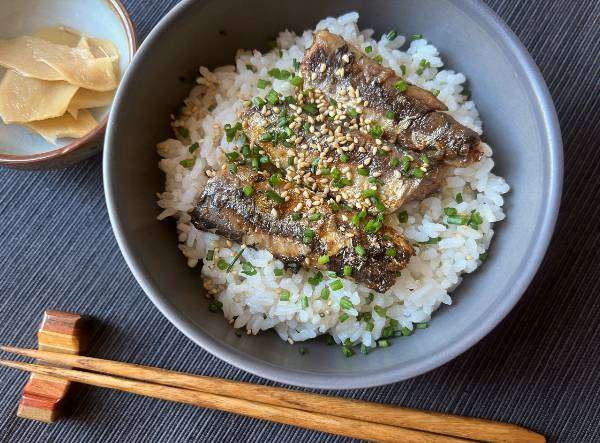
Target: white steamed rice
(252,302)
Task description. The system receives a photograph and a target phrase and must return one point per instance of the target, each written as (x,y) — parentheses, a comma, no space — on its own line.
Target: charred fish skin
(359,157)
(258,220)
(333,65)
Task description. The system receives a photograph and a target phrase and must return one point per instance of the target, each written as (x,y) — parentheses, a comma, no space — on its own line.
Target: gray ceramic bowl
(520,123)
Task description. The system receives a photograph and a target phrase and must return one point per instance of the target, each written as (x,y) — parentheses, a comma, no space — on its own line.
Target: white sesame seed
(323,67)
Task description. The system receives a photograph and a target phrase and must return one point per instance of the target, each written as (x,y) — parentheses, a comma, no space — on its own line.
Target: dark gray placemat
(538,368)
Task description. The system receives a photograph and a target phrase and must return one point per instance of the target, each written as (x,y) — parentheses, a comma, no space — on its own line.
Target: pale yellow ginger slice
(24,99)
(87,99)
(65,126)
(77,66)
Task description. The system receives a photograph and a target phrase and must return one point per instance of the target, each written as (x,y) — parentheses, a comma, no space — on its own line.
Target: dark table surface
(539,368)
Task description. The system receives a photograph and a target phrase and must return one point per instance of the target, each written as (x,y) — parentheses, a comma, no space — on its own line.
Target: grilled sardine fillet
(343,71)
(359,159)
(245,208)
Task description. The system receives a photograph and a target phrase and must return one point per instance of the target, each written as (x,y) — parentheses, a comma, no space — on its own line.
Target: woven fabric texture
(539,368)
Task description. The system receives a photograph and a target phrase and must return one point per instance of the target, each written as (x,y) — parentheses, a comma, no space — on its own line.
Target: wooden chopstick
(309,420)
(446,424)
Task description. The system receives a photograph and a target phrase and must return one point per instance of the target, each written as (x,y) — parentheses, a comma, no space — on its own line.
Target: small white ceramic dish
(108,19)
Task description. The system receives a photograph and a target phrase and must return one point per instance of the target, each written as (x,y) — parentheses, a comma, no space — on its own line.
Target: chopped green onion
(236,258)
(345,303)
(258,102)
(248,269)
(376,131)
(279,74)
(290,160)
(433,241)
(342,318)
(325,293)
(370,297)
(363,171)
(451,212)
(401,86)
(315,216)
(188,163)
(233,168)
(296,216)
(370,326)
(348,352)
(266,137)
(284,295)
(378,58)
(417,173)
(310,108)
(364,349)
(405,163)
(278,272)
(232,156)
(222,264)
(274,196)
(369,192)
(305,302)
(423,325)
(215,306)
(391,35)
(193,147)
(272,97)
(325,171)
(391,252)
(352,112)
(360,250)
(475,220)
(406,332)
(403,69)
(275,180)
(394,162)
(296,81)
(383,343)
(324,259)
(251,67)
(369,49)
(336,285)
(373,226)
(248,190)
(377,203)
(231,131)
(382,312)
(308,236)
(316,279)
(329,340)
(457,220)
(333,102)
(262,84)
(435,92)
(390,115)
(344,158)
(210,254)
(459,198)
(416,37)
(184,132)
(402,216)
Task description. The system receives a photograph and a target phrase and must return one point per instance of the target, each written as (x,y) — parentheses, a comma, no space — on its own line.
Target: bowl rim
(549,214)
(32,159)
